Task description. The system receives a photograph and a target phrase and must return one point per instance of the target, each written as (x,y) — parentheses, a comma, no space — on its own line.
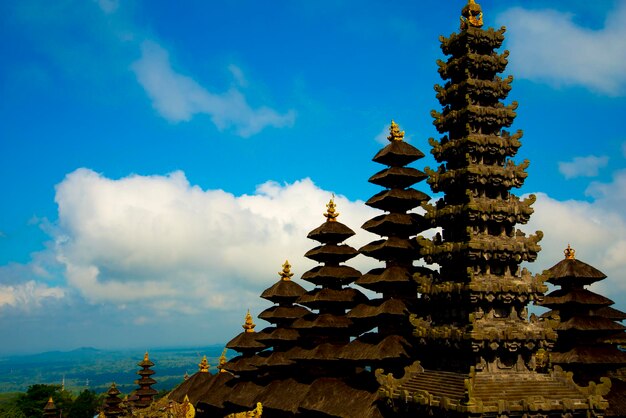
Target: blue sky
(159,162)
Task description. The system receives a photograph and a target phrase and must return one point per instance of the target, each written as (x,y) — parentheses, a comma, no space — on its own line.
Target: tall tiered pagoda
(112,403)
(50,410)
(588,329)
(144,396)
(478,347)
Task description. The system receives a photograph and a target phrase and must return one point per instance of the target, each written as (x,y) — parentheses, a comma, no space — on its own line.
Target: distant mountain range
(89,367)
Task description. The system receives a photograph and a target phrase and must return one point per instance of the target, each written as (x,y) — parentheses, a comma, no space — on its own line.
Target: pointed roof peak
(331,215)
(248,325)
(203,366)
(146,357)
(570,253)
(395,134)
(286,273)
(220,366)
(471,15)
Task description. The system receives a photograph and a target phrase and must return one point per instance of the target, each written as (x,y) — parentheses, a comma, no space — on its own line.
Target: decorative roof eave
(456,93)
(457,44)
(397,200)
(325,297)
(512,210)
(504,144)
(471,175)
(479,65)
(397,177)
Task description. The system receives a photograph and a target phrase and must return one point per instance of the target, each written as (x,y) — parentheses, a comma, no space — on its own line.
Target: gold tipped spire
(570,253)
(471,15)
(286,274)
(331,215)
(395,134)
(203,365)
(248,324)
(146,357)
(220,366)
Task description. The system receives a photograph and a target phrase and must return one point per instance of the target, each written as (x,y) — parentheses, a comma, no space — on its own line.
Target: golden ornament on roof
(248,324)
(395,134)
(204,365)
(471,15)
(570,253)
(331,214)
(145,356)
(220,366)
(286,274)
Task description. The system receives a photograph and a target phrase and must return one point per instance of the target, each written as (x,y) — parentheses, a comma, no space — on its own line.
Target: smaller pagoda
(112,403)
(50,410)
(145,394)
(193,386)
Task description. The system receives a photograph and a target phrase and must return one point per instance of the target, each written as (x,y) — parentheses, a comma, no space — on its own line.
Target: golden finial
(220,366)
(286,274)
(570,253)
(331,215)
(203,365)
(395,134)
(145,356)
(249,325)
(471,15)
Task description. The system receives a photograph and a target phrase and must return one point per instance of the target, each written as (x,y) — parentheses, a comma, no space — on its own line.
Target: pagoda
(193,386)
(50,410)
(389,346)
(588,329)
(478,349)
(112,407)
(144,396)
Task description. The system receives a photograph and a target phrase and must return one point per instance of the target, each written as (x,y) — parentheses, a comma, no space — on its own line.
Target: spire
(220,366)
(203,365)
(570,253)
(330,214)
(286,274)
(248,324)
(50,410)
(395,134)
(471,15)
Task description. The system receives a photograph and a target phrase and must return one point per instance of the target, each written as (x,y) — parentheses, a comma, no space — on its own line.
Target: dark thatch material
(569,271)
(283,396)
(393,248)
(214,393)
(331,253)
(275,359)
(397,200)
(589,323)
(398,224)
(243,395)
(378,308)
(284,291)
(397,177)
(397,154)
(325,275)
(239,364)
(245,341)
(617,399)
(193,387)
(327,298)
(331,232)
(333,398)
(618,338)
(324,352)
(577,296)
(279,335)
(380,279)
(323,321)
(598,354)
(609,313)
(372,348)
(283,314)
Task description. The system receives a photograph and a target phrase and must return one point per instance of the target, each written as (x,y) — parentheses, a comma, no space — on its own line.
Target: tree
(84,406)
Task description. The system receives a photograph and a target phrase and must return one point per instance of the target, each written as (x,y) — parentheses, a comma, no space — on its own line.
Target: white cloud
(179,98)
(381,138)
(27,295)
(160,241)
(548,46)
(583,166)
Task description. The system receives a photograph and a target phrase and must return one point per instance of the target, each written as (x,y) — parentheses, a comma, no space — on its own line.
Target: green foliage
(84,405)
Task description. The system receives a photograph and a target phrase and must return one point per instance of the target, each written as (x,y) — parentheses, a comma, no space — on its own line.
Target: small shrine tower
(145,394)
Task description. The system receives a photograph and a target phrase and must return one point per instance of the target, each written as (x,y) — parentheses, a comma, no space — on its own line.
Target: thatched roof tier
(589,323)
(321,352)
(345,298)
(393,248)
(283,397)
(323,321)
(617,399)
(598,354)
(239,364)
(283,314)
(243,395)
(617,338)
(576,296)
(380,279)
(396,224)
(331,232)
(214,393)
(279,335)
(327,275)
(372,348)
(397,200)
(331,253)
(245,342)
(398,154)
(284,291)
(397,177)
(609,313)
(193,387)
(330,397)
(275,359)
(378,308)
(572,271)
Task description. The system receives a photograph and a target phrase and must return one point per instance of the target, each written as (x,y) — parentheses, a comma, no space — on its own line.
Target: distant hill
(95,369)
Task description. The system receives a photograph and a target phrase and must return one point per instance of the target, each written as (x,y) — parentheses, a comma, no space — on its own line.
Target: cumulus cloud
(583,166)
(27,295)
(161,241)
(550,47)
(179,98)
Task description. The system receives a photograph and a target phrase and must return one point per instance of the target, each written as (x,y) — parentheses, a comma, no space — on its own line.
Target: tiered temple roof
(588,328)
(112,407)
(50,410)
(144,396)
(479,349)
